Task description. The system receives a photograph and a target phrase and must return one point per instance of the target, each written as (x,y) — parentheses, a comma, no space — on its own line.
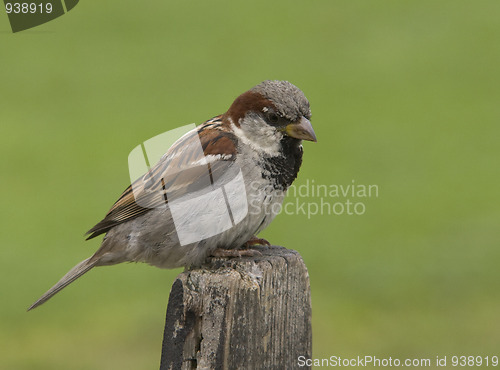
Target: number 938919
(28,8)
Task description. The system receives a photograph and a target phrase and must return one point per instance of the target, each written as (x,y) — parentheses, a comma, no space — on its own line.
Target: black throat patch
(282,170)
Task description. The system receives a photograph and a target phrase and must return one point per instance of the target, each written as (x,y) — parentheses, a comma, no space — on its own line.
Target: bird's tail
(67,279)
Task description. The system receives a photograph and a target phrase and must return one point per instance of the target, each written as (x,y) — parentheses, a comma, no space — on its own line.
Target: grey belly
(153,238)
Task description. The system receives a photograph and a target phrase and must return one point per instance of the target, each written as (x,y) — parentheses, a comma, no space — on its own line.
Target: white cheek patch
(259,136)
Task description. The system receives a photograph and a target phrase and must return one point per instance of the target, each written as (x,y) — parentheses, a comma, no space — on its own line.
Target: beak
(301,130)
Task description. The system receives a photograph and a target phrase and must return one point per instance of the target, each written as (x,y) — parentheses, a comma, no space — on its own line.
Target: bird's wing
(185,168)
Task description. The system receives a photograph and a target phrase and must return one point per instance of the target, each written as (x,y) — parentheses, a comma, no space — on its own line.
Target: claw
(256,241)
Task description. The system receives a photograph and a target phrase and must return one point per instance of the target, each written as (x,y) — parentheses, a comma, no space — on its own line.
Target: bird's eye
(273,118)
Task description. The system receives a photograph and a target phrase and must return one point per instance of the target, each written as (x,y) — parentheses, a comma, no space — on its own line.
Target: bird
(213,190)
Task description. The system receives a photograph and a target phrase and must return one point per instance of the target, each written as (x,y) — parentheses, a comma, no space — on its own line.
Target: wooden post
(240,313)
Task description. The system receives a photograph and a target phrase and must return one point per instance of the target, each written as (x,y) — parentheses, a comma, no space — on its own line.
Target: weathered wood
(240,313)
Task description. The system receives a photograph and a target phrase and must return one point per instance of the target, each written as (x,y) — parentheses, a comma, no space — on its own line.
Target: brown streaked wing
(174,175)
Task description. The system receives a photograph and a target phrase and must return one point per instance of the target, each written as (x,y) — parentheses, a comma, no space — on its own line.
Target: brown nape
(246,102)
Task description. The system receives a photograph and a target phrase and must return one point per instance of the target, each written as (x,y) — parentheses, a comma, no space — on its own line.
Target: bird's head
(269,113)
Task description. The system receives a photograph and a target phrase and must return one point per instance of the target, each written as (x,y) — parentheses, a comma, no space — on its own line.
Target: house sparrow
(235,166)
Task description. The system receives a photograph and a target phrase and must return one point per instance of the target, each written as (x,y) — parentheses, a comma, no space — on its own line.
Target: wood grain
(240,313)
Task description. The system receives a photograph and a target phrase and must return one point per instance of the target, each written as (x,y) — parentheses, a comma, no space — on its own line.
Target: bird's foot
(235,253)
(256,241)
(244,251)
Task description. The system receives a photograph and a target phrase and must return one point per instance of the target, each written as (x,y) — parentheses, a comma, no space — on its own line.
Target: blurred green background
(404,94)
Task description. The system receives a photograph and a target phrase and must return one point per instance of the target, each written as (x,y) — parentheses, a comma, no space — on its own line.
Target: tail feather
(67,279)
